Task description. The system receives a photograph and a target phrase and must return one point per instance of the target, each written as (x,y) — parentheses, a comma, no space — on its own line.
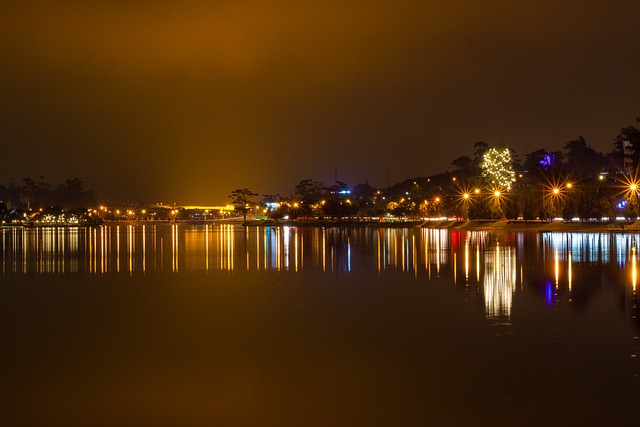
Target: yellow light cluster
(497,167)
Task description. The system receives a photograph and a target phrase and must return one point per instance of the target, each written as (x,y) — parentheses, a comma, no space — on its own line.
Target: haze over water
(178,324)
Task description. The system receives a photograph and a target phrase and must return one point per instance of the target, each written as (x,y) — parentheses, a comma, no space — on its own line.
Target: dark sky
(184,101)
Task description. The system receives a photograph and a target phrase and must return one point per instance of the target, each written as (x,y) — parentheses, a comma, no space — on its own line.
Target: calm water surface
(281,326)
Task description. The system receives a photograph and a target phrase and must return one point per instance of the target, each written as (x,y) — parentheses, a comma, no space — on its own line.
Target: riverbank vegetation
(576,182)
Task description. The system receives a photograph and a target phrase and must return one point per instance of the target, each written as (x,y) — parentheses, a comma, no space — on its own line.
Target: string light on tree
(497,167)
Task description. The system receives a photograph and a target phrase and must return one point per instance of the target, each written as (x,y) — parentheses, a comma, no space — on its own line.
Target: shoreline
(463,225)
(474,225)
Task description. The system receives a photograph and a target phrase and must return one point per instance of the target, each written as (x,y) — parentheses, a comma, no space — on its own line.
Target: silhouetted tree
(582,160)
(464,167)
(310,191)
(240,199)
(627,147)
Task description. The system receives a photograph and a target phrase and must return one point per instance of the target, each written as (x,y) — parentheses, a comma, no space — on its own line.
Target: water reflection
(141,248)
(563,266)
(500,281)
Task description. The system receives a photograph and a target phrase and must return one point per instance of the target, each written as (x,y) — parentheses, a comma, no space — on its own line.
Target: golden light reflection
(90,242)
(424,238)
(499,281)
(438,257)
(478,263)
(130,239)
(225,247)
(569,271)
(466,261)
(278,245)
(296,249)
(104,253)
(118,248)
(324,250)
(175,248)
(634,272)
(140,249)
(557,267)
(455,278)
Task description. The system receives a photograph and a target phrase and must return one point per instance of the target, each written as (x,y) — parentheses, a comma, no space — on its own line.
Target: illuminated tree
(497,167)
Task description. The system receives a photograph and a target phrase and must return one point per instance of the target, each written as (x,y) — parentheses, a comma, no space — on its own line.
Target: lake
(207,325)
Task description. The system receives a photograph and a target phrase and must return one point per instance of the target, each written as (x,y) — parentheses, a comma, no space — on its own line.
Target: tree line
(491,183)
(37,194)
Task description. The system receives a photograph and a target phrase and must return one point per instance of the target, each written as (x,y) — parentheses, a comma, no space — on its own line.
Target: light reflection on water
(157,323)
(498,264)
(500,281)
(143,248)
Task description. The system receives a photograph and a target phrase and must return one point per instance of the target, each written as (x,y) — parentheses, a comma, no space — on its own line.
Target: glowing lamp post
(632,208)
(436,206)
(465,204)
(496,207)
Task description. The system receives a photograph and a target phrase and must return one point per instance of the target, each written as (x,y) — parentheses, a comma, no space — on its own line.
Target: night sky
(184,101)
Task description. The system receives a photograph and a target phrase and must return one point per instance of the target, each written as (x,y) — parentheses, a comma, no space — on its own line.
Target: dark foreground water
(179,325)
